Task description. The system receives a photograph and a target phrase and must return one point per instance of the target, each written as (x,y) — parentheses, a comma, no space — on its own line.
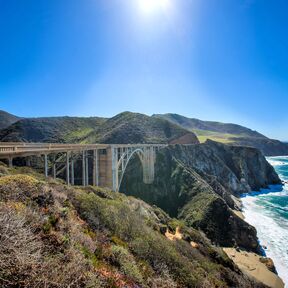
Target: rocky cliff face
(198,183)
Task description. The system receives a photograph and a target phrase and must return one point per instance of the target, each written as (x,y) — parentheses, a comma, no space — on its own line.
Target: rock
(269,264)
(194,245)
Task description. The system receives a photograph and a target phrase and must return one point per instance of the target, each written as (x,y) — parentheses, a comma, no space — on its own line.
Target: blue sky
(222,60)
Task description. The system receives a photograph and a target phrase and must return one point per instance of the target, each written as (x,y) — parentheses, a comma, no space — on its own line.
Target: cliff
(199,183)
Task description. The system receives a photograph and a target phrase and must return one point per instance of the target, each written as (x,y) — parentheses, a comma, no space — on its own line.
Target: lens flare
(150,6)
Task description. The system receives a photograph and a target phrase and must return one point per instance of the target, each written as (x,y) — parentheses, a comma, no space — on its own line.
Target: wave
(267,210)
(272,234)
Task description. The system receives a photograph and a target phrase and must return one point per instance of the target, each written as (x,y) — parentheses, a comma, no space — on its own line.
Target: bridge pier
(83,169)
(87,169)
(72,172)
(68,168)
(46,165)
(95,168)
(54,168)
(10,162)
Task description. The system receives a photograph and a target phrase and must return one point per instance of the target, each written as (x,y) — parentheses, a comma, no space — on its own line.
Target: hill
(126,127)
(58,236)
(7,119)
(50,129)
(227,133)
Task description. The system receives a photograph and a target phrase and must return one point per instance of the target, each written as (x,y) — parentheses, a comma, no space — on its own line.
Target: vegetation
(7,119)
(130,127)
(197,183)
(228,133)
(52,235)
(123,128)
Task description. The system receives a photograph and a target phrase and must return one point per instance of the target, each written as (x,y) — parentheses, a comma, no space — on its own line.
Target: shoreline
(249,263)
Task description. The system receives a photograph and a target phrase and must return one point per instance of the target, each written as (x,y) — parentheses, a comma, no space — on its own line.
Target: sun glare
(151,6)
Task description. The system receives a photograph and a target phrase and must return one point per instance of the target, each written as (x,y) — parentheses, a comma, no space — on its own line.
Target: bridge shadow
(159,193)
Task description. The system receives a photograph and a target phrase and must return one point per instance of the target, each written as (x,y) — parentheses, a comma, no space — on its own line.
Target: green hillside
(6,119)
(227,133)
(125,127)
(59,236)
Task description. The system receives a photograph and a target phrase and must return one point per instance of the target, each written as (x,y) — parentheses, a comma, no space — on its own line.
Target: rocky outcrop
(268,147)
(197,183)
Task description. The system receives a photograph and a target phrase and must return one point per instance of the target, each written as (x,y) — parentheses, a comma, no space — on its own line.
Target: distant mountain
(125,127)
(128,127)
(50,129)
(7,119)
(227,133)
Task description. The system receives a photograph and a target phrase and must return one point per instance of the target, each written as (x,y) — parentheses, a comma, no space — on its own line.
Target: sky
(222,60)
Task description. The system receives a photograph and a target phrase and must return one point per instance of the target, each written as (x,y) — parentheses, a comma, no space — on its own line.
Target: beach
(267,211)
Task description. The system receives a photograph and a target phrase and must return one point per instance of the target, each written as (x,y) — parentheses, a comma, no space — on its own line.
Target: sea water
(267,211)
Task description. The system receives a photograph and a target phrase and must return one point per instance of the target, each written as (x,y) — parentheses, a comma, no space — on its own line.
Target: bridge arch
(121,158)
(124,161)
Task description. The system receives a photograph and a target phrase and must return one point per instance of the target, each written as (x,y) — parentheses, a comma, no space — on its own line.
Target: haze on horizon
(217,60)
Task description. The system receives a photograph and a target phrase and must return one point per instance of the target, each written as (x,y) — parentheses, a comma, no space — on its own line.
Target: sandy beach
(250,264)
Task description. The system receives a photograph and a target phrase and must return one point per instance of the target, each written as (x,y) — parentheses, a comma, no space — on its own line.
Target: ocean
(267,211)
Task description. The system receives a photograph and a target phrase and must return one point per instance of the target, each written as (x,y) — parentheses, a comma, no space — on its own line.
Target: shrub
(20,249)
(18,187)
(3,170)
(126,262)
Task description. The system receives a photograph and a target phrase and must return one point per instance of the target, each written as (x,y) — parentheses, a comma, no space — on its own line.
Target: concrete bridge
(109,162)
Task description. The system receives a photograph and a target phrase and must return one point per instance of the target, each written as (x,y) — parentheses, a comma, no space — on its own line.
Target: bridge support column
(83,169)
(114,169)
(54,170)
(10,162)
(72,172)
(95,168)
(148,163)
(68,168)
(87,169)
(46,165)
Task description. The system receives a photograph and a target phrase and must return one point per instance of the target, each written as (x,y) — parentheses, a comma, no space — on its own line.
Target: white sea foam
(272,229)
(277,163)
(271,234)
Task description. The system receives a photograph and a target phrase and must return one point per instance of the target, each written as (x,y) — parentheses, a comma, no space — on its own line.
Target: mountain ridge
(228,133)
(128,127)
(6,119)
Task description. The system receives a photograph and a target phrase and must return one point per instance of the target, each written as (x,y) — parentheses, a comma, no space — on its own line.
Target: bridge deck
(14,149)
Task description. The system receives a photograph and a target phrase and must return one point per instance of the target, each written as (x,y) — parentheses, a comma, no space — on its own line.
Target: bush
(127,263)
(20,249)
(3,170)
(19,187)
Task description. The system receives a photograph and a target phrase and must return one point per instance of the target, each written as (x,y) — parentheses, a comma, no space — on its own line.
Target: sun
(151,6)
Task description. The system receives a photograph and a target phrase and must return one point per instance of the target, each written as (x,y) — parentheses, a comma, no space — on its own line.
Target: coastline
(250,263)
(247,262)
